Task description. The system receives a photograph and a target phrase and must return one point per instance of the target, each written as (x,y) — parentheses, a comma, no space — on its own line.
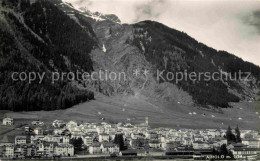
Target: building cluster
(36,141)
(55,140)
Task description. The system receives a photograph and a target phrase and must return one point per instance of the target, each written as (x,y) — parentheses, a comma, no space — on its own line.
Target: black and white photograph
(140,80)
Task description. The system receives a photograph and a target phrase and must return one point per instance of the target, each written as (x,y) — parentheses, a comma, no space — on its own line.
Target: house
(49,148)
(88,140)
(90,130)
(38,131)
(109,148)
(200,145)
(37,123)
(187,141)
(155,144)
(163,142)
(170,146)
(103,137)
(139,143)
(250,142)
(63,149)
(235,145)
(18,151)
(8,121)
(40,149)
(7,150)
(94,148)
(52,138)
(28,150)
(77,134)
(65,139)
(20,140)
(151,135)
(58,123)
(72,125)
(137,135)
(27,129)
(58,131)
(248,136)
(198,138)
(214,133)
(100,129)
(177,139)
(66,132)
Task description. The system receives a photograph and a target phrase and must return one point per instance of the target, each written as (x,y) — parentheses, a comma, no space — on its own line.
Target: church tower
(147,121)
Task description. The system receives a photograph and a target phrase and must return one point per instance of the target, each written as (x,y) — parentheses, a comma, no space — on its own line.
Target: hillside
(154,46)
(161,114)
(52,36)
(32,40)
(175,51)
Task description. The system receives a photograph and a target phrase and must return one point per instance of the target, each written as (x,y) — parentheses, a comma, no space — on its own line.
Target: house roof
(64,145)
(249,139)
(8,118)
(20,137)
(107,145)
(50,143)
(95,144)
(238,144)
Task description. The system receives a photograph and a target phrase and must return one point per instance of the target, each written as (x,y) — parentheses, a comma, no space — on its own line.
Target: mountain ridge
(53,32)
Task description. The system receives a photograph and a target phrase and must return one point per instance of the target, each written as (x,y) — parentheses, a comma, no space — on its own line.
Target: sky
(230,25)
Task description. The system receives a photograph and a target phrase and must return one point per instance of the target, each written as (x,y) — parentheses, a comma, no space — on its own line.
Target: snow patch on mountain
(96,18)
(104,48)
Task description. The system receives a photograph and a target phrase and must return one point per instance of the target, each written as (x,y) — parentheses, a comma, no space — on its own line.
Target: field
(134,109)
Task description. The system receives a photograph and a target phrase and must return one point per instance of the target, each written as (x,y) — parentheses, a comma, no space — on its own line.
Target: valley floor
(161,114)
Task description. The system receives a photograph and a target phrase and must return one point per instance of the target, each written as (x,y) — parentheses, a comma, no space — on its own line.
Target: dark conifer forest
(22,51)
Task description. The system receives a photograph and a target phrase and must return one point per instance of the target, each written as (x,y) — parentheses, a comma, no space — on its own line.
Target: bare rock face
(154,47)
(54,36)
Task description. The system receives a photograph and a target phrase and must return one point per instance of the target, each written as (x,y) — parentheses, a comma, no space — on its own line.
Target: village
(74,139)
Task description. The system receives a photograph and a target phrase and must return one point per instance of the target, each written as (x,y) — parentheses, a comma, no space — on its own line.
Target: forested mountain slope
(175,51)
(52,36)
(41,38)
